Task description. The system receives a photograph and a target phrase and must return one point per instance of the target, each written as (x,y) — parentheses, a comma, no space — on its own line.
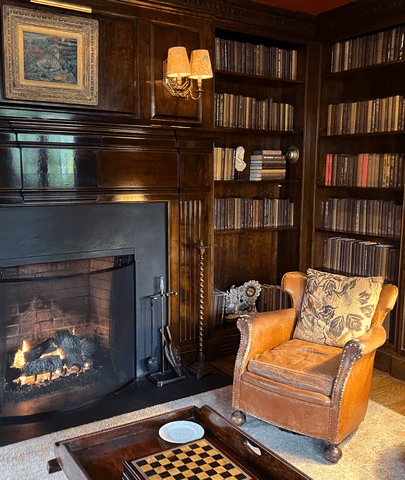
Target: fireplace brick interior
(83,306)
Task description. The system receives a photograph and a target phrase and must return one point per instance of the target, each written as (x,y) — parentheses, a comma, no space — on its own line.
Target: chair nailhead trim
(355,358)
(245,319)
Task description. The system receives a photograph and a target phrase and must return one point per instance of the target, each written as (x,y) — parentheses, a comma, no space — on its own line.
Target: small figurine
(240,164)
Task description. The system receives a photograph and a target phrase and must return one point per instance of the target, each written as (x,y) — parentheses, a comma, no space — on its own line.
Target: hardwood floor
(386,390)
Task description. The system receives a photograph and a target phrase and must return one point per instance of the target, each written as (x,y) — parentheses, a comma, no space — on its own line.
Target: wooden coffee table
(110,454)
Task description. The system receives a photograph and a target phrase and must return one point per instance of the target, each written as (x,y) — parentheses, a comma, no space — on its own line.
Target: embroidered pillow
(335,308)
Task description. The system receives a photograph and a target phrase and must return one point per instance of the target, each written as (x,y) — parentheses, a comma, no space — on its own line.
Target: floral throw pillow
(335,308)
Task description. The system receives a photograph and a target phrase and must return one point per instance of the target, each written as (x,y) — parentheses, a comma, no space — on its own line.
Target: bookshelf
(359,193)
(259,105)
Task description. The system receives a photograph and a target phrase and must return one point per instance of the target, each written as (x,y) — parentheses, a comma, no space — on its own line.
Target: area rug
(375,451)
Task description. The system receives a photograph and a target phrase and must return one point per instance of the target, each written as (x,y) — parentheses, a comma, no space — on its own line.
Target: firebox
(69,332)
(75,290)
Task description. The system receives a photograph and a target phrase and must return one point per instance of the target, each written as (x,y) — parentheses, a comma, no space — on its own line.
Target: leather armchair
(315,390)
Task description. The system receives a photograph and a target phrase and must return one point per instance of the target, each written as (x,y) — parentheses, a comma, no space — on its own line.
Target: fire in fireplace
(60,335)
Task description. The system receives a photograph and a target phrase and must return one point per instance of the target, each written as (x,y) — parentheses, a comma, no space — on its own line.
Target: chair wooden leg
(238,418)
(332,453)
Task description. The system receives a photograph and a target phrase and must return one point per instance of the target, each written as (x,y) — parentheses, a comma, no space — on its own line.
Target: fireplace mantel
(62,163)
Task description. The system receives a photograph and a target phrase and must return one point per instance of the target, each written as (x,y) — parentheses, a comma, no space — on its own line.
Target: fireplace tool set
(166,375)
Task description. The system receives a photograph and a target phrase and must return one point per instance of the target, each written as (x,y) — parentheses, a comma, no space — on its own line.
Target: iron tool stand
(165,376)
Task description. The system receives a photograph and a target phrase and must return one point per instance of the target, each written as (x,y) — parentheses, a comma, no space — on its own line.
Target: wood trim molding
(359,17)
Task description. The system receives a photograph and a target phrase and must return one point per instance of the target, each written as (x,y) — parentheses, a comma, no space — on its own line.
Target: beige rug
(376,451)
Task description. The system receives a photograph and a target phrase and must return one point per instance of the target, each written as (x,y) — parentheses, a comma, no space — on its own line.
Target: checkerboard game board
(197,460)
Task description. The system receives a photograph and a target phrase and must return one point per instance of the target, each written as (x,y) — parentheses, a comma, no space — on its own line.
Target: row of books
(273,297)
(267,165)
(240,57)
(234,213)
(237,111)
(219,306)
(373,49)
(224,163)
(382,170)
(360,216)
(368,116)
(348,256)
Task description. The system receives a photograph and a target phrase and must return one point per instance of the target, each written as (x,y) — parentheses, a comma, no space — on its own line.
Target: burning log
(88,350)
(71,347)
(39,350)
(43,365)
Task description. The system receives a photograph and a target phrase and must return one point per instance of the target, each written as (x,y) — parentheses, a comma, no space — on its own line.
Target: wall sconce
(178,71)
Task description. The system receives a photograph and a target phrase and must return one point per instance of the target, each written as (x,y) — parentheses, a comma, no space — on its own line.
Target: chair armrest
(352,385)
(262,332)
(353,351)
(362,346)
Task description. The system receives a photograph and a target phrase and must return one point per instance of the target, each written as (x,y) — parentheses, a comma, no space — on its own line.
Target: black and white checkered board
(197,460)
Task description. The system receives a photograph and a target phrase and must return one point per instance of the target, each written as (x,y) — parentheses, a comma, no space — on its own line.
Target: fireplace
(75,287)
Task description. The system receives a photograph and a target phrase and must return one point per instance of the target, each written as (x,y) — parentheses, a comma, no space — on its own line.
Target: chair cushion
(335,308)
(299,364)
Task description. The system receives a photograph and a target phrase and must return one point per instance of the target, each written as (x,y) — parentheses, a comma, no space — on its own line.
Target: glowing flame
(19,360)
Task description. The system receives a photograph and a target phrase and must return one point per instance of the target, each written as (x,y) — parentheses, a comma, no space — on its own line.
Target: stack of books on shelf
(380,170)
(224,163)
(240,57)
(219,306)
(368,116)
(381,47)
(234,213)
(237,111)
(273,297)
(267,165)
(348,256)
(365,217)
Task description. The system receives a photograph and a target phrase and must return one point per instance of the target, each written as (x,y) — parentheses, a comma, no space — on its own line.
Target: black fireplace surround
(44,254)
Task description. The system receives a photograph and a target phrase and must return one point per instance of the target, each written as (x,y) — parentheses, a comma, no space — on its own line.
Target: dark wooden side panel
(118,67)
(193,221)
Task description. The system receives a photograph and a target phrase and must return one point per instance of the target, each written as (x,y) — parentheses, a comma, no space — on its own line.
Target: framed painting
(50,58)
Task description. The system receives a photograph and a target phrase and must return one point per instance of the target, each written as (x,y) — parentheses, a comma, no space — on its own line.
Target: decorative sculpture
(242,300)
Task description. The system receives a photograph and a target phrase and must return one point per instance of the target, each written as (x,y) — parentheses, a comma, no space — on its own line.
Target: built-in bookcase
(360,165)
(258,104)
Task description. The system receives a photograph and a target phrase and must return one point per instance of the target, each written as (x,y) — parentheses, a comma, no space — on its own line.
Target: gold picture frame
(50,58)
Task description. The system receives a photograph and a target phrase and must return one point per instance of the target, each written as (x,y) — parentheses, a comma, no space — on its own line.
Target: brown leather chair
(315,390)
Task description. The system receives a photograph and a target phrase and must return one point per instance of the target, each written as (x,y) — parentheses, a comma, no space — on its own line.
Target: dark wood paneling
(118,67)
(359,17)
(58,168)
(138,170)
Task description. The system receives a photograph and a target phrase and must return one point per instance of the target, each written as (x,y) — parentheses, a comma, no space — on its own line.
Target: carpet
(375,451)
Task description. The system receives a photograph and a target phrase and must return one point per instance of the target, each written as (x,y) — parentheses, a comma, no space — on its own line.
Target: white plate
(181,431)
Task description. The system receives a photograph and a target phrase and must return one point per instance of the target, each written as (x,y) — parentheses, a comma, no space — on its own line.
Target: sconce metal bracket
(171,85)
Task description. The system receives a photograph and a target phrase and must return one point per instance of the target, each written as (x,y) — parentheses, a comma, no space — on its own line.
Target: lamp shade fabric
(200,64)
(177,62)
